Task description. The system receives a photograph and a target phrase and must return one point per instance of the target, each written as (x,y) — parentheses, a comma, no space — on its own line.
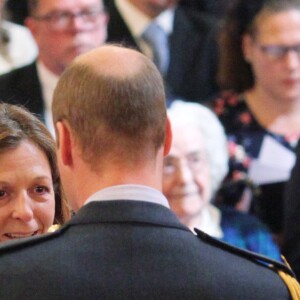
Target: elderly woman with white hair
(193,172)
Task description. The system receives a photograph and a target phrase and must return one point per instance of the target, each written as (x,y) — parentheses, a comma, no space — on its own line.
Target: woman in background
(194,170)
(260,65)
(30,197)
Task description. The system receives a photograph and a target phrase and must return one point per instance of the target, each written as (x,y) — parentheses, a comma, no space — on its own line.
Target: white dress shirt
(137,22)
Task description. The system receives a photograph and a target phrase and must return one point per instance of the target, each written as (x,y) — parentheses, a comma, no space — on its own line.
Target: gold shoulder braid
(53,228)
(291,282)
(282,269)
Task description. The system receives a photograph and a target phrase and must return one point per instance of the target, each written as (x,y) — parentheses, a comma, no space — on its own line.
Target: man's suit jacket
(193,52)
(22,86)
(291,220)
(130,250)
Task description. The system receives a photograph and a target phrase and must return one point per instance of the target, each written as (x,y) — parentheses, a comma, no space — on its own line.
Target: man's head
(111,103)
(64,29)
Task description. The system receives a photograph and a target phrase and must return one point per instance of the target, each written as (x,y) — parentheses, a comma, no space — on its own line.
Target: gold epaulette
(258,258)
(53,228)
(291,282)
(283,269)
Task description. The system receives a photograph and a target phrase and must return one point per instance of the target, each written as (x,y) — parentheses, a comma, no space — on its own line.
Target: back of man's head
(113,100)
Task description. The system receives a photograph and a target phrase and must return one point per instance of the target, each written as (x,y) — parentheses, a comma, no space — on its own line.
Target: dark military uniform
(133,250)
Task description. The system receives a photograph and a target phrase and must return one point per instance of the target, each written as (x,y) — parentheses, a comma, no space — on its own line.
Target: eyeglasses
(195,161)
(59,20)
(278,51)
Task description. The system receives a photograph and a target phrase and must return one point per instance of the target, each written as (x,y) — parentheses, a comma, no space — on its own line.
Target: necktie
(155,36)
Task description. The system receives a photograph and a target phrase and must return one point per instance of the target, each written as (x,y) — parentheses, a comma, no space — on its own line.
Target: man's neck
(55,69)
(113,176)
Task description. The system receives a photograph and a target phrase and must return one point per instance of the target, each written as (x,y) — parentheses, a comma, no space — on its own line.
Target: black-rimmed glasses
(59,20)
(278,51)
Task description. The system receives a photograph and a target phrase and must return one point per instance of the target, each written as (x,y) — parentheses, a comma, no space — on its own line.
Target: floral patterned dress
(245,138)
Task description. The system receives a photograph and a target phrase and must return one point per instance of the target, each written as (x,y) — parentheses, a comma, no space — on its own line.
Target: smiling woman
(30,200)
(260,65)
(193,171)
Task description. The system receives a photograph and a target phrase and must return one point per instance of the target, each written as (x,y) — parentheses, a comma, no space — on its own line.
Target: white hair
(203,119)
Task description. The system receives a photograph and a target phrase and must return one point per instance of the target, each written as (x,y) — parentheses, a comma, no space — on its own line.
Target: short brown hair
(113,112)
(17,125)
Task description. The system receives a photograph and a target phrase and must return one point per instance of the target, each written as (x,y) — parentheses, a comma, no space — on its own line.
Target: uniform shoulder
(248,255)
(16,245)
(284,272)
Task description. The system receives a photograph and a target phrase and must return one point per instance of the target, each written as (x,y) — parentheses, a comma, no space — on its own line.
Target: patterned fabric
(247,232)
(245,137)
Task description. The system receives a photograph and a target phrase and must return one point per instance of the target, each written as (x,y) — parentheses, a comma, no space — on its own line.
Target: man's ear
(64,142)
(168,140)
(31,24)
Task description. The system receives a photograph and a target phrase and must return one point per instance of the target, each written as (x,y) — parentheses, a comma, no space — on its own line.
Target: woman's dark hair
(234,71)
(17,125)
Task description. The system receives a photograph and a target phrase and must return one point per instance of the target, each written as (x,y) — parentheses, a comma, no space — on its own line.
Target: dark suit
(218,8)
(130,250)
(193,52)
(291,220)
(22,86)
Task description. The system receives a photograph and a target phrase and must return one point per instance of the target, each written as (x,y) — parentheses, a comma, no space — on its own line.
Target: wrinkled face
(274,54)
(186,180)
(153,8)
(27,202)
(63,29)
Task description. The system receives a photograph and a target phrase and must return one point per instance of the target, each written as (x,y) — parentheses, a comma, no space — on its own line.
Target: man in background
(187,43)
(62,30)
(123,242)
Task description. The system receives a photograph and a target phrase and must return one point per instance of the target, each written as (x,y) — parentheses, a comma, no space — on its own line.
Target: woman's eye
(196,157)
(41,189)
(169,169)
(2,194)
(169,166)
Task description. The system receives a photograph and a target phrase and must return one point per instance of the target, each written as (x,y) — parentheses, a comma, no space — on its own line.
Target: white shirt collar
(138,21)
(129,192)
(48,82)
